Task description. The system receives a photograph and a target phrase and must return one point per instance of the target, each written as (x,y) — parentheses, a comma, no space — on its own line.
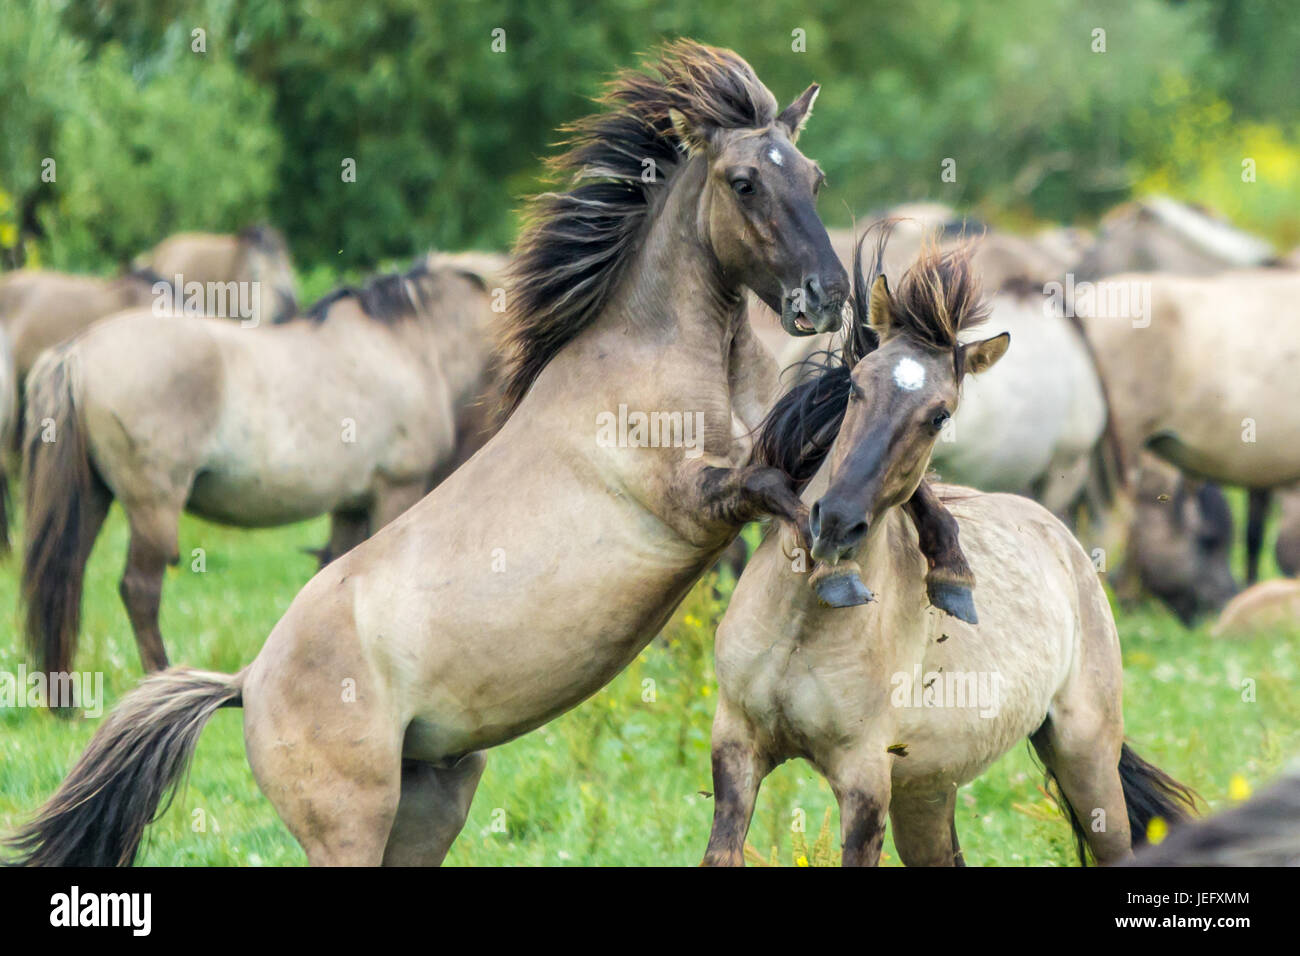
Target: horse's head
(758,213)
(264,255)
(900,394)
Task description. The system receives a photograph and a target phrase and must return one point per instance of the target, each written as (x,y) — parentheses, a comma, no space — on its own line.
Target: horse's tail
(66,503)
(137,757)
(1150,794)
(1076,824)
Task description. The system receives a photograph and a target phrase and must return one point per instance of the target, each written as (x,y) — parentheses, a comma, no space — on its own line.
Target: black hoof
(954,599)
(843,590)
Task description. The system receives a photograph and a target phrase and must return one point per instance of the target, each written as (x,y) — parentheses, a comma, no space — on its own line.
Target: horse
(1160,234)
(42,308)
(353,409)
(258,253)
(1181,543)
(1199,372)
(895,706)
(1037,423)
(530,577)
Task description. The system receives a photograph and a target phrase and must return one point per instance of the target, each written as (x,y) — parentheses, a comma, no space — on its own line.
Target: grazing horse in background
(1200,371)
(41,309)
(530,577)
(1287,551)
(353,410)
(256,254)
(894,705)
(1161,235)
(1181,554)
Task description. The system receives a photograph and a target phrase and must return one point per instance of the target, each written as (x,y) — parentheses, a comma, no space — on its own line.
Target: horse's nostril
(815,519)
(812,293)
(856,533)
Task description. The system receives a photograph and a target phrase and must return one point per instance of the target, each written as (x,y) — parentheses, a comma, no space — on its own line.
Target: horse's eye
(937,422)
(742,186)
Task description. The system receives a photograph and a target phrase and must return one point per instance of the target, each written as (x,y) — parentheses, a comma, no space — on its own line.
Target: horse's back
(1043,618)
(197,256)
(151,387)
(1208,366)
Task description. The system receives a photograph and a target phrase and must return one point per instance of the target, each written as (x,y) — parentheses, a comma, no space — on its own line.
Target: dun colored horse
(257,254)
(1036,423)
(534,573)
(1200,371)
(896,706)
(352,410)
(41,309)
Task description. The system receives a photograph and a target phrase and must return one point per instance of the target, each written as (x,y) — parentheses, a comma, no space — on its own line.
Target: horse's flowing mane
(575,244)
(385,298)
(938,298)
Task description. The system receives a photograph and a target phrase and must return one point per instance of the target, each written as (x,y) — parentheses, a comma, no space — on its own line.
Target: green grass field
(618,781)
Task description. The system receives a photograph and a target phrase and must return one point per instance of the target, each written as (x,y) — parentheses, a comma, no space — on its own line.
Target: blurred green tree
(1044,107)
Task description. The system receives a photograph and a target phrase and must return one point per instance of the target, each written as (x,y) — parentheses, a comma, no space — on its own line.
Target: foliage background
(151,137)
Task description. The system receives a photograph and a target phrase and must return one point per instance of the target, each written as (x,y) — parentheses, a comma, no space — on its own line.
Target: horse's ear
(795,116)
(982,355)
(696,137)
(880,308)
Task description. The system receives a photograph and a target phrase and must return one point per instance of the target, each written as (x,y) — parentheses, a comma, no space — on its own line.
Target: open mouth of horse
(800,323)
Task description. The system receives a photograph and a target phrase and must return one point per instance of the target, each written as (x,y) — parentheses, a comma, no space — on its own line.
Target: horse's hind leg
(925,831)
(321,736)
(347,530)
(153,546)
(1257,514)
(434,804)
(1082,753)
(738,770)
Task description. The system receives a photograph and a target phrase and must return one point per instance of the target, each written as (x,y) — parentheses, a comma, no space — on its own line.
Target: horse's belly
(265,500)
(951,742)
(508,612)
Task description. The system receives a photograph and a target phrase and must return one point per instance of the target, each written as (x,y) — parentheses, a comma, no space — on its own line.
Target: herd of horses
(491,564)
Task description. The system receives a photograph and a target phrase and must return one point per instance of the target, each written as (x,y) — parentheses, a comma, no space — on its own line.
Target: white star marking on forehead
(909,374)
(775,156)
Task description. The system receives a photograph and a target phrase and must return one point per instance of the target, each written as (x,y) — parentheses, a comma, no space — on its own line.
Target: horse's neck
(664,340)
(891,552)
(451,345)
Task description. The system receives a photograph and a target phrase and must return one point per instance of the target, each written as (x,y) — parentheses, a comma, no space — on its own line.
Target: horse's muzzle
(836,530)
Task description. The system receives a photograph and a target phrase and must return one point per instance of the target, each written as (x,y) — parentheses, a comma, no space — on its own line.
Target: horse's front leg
(861,783)
(736,496)
(722,494)
(949,583)
(738,769)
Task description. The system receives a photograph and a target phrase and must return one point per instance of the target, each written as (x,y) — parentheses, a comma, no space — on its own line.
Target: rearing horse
(532,575)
